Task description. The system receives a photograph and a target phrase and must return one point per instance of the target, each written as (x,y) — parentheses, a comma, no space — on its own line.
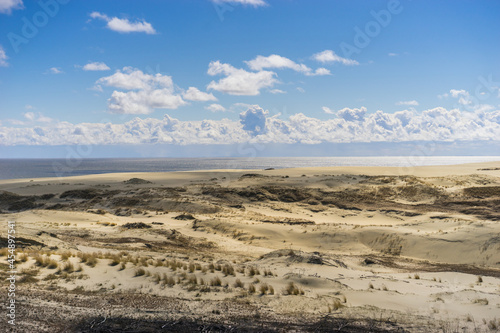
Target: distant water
(34,168)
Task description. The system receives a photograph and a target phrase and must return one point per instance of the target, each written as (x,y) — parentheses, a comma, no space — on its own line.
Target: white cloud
(255,3)
(96,66)
(31,116)
(194,94)
(391,54)
(319,72)
(3,58)
(354,114)
(239,81)
(131,78)
(277,61)
(277,91)
(457,93)
(300,89)
(29,107)
(327,110)
(124,25)
(254,119)
(215,108)
(6,6)
(255,125)
(146,92)
(330,56)
(462,95)
(409,103)
(55,70)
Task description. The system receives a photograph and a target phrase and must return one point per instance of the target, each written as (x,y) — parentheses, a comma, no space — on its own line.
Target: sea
(36,168)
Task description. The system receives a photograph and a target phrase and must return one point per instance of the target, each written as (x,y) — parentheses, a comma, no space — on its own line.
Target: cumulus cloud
(392,54)
(3,58)
(255,3)
(328,56)
(146,92)
(7,6)
(255,125)
(462,95)
(215,108)
(254,119)
(96,66)
(408,103)
(239,81)
(124,25)
(352,114)
(275,61)
(279,62)
(194,94)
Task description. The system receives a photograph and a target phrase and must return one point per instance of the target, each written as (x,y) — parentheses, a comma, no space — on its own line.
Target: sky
(181,75)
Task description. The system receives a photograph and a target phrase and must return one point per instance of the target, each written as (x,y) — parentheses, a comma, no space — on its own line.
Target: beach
(323,249)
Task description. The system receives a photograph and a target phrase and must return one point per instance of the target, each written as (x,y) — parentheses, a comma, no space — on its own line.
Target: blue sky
(196,72)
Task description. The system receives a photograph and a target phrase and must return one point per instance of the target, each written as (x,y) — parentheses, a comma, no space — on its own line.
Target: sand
(341,248)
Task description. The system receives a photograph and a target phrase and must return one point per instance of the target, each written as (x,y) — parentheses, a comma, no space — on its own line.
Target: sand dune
(346,249)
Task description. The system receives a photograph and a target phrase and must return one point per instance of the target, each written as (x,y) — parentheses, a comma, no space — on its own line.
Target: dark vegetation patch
(21,242)
(185,217)
(482,192)
(252,176)
(137,181)
(289,221)
(136,225)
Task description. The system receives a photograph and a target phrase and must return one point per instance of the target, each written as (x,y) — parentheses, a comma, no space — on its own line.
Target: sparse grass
(91,261)
(416,276)
(216,282)
(251,289)
(228,270)
(192,279)
(23,257)
(271,290)
(52,264)
(370,286)
(479,279)
(238,284)
(263,288)
(482,301)
(115,260)
(122,266)
(140,272)
(384,288)
(292,289)
(69,267)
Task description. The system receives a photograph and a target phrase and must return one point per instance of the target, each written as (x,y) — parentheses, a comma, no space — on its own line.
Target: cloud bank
(255,125)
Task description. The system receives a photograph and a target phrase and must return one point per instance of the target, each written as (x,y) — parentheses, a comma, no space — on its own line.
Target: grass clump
(292,289)
(140,271)
(216,282)
(238,284)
